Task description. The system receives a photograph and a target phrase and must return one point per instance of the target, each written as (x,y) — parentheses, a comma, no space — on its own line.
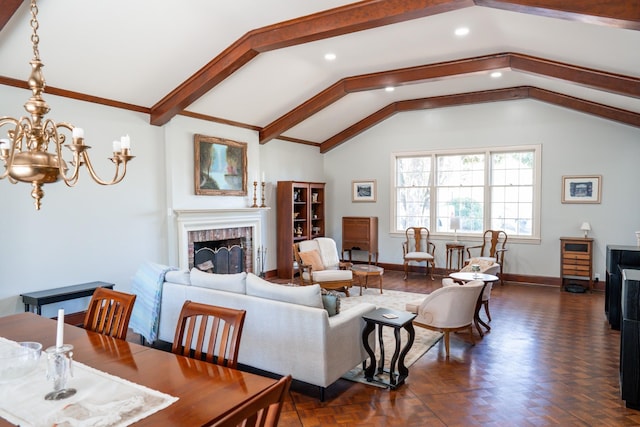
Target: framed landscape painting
(364,191)
(220,166)
(582,189)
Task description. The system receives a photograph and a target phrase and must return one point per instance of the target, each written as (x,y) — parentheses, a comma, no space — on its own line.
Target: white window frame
(487,151)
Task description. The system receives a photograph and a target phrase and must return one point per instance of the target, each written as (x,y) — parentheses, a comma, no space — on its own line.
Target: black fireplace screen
(222,260)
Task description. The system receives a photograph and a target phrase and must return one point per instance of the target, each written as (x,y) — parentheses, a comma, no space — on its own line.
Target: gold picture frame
(363,191)
(220,166)
(582,189)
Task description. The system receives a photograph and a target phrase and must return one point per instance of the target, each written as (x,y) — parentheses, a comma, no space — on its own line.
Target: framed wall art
(220,166)
(363,191)
(582,189)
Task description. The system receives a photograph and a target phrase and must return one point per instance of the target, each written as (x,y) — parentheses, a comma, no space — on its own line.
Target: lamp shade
(586,227)
(454,222)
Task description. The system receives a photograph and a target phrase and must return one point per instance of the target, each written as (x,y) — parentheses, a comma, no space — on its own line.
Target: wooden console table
(35,300)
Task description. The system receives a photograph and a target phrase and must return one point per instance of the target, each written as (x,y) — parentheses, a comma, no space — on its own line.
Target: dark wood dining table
(206,391)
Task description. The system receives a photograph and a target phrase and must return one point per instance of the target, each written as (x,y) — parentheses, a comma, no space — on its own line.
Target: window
(485,188)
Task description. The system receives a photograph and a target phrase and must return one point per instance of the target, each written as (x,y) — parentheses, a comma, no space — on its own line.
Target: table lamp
(454,223)
(586,227)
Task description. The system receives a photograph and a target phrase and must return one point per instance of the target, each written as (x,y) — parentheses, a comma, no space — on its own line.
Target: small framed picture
(363,191)
(582,189)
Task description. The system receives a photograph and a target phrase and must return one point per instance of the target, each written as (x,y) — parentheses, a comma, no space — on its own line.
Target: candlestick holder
(255,194)
(59,369)
(263,185)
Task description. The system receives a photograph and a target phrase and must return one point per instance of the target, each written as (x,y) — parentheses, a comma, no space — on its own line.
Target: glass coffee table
(363,271)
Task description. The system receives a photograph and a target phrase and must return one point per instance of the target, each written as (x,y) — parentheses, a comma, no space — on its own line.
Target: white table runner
(101,399)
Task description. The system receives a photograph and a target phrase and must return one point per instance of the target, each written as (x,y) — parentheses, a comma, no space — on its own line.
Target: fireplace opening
(219,256)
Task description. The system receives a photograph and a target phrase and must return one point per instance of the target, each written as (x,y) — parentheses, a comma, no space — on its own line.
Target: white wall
(572,144)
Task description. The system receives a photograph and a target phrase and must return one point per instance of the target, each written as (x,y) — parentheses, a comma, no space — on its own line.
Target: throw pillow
(181,277)
(331,302)
(483,263)
(222,282)
(303,295)
(312,258)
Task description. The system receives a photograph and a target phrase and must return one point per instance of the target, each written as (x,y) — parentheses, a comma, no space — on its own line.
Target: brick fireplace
(196,226)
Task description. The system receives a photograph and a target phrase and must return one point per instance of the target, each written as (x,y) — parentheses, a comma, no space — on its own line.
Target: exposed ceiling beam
(7,9)
(366,15)
(522,92)
(612,13)
(601,80)
(334,22)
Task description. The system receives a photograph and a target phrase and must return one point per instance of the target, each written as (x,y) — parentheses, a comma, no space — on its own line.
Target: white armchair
(448,309)
(318,262)
(486,267)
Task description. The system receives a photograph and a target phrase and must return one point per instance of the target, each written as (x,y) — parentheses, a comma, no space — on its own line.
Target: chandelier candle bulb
(125,142)
(78,133)
(263,180)
(116,146)
(60,329)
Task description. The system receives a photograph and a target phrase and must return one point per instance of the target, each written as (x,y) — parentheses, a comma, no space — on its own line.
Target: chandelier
(33,152)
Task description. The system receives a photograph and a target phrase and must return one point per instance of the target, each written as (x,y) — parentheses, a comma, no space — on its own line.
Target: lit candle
(60,330)
(125,142)
(116,146)
(263,180)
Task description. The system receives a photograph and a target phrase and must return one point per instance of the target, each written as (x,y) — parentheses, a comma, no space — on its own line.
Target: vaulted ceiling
(261,64)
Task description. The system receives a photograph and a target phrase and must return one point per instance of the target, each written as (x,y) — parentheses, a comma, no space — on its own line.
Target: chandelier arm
(116,179)
(50,130)
(8,156)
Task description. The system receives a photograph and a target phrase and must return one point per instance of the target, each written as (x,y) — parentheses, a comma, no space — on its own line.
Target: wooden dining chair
(109,312)
(261,410)
(202,327)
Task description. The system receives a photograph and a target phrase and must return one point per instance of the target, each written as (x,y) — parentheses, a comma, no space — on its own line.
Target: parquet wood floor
(550,359)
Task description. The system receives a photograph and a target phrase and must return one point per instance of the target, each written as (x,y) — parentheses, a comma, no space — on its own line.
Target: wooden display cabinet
(360,233)
(576,260)
(300,216)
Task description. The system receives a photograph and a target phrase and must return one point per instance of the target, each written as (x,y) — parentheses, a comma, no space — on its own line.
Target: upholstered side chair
(417,248)
(318,262)
(448,309)
(109,312)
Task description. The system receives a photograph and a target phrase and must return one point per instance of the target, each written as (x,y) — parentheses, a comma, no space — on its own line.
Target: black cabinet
(618,258)
(630,339)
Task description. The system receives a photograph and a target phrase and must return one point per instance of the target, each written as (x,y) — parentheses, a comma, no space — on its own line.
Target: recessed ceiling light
(389,88)
(330,56)
(462,31)
(496,74)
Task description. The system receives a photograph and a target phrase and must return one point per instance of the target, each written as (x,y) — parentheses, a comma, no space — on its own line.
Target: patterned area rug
(397,300)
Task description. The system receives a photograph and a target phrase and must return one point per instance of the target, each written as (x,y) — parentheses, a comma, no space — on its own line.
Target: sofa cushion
(331,301)
(312,258)
(222,282)
(302,295)
(182,277)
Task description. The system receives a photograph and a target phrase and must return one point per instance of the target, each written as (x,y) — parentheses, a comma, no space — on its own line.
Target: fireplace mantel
(214,219)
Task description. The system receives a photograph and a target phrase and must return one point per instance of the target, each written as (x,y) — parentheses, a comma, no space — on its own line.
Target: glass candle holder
(59,369)
(476,269)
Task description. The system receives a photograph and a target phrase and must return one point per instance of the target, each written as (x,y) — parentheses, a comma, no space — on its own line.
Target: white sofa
(297,338)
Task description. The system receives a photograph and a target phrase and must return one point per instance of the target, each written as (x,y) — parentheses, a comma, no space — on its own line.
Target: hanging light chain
(34,25)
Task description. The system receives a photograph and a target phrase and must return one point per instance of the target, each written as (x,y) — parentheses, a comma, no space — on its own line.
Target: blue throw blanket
(147,285)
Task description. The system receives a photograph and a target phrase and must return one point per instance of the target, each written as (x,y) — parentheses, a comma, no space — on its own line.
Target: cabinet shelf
(306,199)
